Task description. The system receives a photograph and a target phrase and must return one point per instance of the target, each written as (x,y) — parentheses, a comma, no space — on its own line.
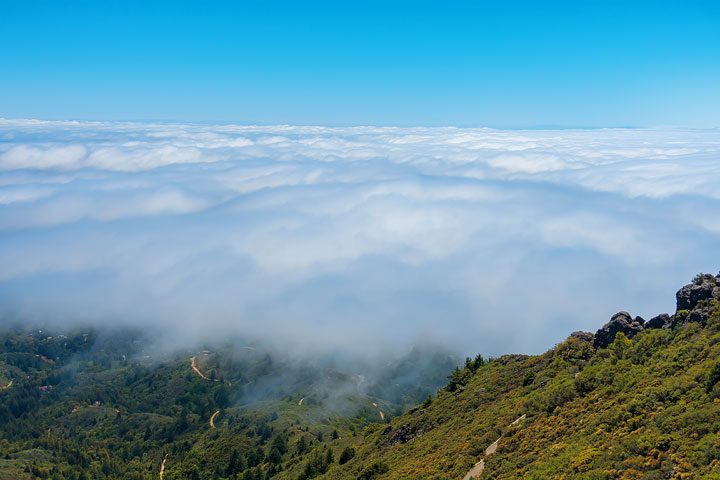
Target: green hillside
(594,407)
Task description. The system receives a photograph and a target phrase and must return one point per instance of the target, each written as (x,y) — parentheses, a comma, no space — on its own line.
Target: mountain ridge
(635,400)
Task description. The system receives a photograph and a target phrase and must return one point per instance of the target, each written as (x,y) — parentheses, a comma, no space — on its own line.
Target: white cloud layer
(488,240)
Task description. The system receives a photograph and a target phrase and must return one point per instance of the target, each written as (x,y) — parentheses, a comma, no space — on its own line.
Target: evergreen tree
(346,455)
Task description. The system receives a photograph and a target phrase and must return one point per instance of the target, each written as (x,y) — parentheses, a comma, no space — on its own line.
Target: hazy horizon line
(251,123)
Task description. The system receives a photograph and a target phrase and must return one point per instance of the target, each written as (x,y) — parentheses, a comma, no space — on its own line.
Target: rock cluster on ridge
(704,287)
(620,322)
(693,305)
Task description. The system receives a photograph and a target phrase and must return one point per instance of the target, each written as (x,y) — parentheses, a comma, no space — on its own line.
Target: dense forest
(93,404)
(636,400)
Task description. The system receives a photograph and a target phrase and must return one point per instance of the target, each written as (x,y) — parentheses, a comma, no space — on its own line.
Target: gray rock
(402,434)
(660,321)
(584,336)
(620,322)
(512,358)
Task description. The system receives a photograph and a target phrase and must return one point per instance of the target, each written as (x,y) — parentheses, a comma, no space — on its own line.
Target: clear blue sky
(502,63)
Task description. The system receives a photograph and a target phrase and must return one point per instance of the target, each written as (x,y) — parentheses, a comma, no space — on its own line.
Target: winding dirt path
(212,419)
(477,469)
(196,369)
(162,467)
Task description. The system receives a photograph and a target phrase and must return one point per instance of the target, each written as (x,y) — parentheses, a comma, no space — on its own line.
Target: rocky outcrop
(704,287)
(511,358)
(402,434)
(694,304)
(620,322)
(694,300)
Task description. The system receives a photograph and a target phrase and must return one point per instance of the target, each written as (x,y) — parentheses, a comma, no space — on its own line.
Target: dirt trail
(518,420)
(301,401)
(212,419)
(47,360)
(492,448)
(196,369)
(162,467)
(10,384)
(477,469)
(382,415)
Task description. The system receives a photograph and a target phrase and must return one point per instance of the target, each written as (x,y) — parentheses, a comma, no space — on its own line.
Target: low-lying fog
(362,240)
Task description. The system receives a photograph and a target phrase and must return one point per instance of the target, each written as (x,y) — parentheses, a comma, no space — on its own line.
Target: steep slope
(637,400)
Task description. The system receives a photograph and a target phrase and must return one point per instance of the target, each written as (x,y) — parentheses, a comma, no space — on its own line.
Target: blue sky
(502,63)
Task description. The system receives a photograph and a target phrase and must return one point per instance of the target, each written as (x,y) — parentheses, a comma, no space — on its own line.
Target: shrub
(713,378)
(372,471)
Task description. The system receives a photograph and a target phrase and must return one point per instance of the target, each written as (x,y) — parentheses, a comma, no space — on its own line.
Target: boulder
(583,336)
(660,321)
(620,322)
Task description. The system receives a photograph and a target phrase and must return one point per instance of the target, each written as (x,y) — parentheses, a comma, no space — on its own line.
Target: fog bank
(352,239)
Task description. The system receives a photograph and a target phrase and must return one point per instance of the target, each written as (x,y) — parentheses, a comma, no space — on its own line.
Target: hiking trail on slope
(478,468)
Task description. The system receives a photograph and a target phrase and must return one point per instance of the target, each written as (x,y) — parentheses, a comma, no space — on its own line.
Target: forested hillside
(94,404)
